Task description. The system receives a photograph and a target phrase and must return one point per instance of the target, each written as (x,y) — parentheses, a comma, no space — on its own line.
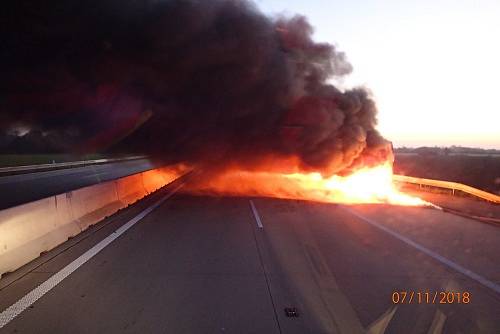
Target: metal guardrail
(449,185)
(61,165)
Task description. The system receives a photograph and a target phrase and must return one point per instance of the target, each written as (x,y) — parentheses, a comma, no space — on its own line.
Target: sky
(433,66)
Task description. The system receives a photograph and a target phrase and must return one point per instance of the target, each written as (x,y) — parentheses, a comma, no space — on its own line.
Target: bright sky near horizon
(432,65)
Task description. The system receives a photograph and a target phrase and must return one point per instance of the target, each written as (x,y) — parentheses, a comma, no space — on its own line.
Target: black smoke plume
(205,82)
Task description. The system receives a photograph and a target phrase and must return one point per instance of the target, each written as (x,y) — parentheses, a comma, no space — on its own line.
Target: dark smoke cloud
(196,81)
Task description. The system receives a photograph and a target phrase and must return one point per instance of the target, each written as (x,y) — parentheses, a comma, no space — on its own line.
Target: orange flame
(367,185)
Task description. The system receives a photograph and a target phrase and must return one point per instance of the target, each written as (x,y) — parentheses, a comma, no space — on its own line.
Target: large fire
(367,185)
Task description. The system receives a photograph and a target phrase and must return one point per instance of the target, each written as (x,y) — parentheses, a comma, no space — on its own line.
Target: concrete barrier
(33,228)
(152,180)
(30,229)
(130,189)
(92,204)
(156,178)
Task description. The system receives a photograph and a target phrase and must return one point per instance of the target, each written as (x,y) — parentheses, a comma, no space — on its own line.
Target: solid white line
(455,266)
(256,215)
(22,304)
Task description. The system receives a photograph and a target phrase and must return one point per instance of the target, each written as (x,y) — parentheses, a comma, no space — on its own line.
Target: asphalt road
(23,188)
(204,265)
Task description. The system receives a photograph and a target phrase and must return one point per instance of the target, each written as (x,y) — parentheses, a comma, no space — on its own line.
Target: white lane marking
(455,266)
(22,304)
(379,326)
(437,324)
(256,215)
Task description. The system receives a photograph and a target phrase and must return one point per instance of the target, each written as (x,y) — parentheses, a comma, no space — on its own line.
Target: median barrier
(152,179)
(30,229)
(130,189)
(92,204)
(33,228)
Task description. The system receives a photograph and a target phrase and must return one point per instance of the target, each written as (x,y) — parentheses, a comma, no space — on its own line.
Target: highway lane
(204,265)
(23,188)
